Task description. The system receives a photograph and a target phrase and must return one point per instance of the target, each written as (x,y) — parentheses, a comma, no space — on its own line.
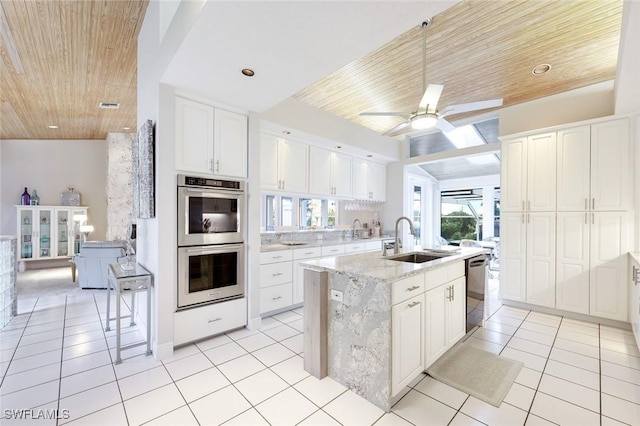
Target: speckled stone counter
(359,328)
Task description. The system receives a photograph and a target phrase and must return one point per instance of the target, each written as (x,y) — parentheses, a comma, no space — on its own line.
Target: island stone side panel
(359,333)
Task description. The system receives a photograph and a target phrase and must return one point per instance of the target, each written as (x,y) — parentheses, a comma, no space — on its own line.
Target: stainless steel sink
(418,257)
(293,243)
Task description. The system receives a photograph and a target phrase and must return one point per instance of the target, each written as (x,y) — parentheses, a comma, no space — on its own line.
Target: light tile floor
(58,357)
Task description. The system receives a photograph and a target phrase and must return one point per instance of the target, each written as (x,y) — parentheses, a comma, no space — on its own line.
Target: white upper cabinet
(369,180)
(514,175)
(341,174)
(210,140)
(284,164)
(329,173)
(610,165)
(573,157)
(194,136)
(541,172)
(230,144)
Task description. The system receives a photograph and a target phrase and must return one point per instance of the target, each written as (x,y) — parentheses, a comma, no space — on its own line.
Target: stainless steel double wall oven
(211,236)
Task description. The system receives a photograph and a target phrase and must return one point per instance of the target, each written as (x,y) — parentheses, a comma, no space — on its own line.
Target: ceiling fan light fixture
(424,121)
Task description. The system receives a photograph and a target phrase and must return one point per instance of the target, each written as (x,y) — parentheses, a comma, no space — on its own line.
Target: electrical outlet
(337,296)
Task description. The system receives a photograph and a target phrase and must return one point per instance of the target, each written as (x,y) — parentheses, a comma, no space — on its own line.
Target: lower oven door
(208,274)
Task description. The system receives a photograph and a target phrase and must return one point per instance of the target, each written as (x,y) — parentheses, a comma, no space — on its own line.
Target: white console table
(123,282)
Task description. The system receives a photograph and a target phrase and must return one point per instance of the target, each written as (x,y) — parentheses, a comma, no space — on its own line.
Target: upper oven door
(207,216)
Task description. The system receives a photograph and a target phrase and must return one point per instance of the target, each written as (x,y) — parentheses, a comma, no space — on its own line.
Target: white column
(488,194)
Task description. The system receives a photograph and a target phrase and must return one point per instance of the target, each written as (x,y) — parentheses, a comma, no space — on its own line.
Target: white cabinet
(572,263)
(329,173)
(407,342)
(445,313)
(198,323)
(210,140)
(369,180)
(47,232)
(276,280)
(284,164)
(593,167)
(301,255)
(541,259)
(513,256)
(610,165)
(610,243)
(529,167)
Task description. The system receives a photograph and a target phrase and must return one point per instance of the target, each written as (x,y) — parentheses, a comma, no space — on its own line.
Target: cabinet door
(27,233)
(541,259)
(609,247)
(572,262)
(294,169)
(194,136)
(230,144)
(513,256)
(320,181)
(573,157)
(341,171)
(541,172)
(513,175)
(269,176)
(436,339)
(360,176)
(407,335)
(457,311)
(377,177)
(63,238)
(45,233)
(610,165)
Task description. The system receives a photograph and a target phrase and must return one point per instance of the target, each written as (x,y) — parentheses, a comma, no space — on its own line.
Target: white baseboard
(162,351)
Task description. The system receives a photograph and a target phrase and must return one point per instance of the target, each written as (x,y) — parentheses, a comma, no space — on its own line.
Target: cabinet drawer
(275,273)
(443,274)
(333,250)
(276,297)
(455,271)
(275,256)
(373,246)
(198,323)
(407,288)
(354,248)
(307,253)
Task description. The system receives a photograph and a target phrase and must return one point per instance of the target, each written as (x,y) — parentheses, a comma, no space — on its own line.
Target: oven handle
(208,191)
(215,249)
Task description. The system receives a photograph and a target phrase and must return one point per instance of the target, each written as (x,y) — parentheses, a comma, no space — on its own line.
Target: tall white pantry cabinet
(565,219)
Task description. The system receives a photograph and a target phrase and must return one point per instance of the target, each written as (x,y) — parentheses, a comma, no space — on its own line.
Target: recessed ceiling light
(108,105)
(286,132)
(339,146)
(53,126)
(541,69)
(126,128)
(248,72)
(369,155)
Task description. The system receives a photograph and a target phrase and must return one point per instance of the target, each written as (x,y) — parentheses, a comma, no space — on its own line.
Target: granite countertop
(318,243)
(7,237)
(374,265)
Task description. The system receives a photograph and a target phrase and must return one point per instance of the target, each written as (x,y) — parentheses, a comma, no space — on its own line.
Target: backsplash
(327,237)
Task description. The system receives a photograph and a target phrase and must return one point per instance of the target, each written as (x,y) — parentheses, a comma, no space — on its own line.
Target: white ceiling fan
(427,116)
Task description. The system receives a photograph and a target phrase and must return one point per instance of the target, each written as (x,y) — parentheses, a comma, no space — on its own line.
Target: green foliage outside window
(458,226)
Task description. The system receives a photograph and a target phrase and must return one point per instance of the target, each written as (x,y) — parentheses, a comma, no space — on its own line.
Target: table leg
(107,327)
(118,359)
(149,320)
(133,309)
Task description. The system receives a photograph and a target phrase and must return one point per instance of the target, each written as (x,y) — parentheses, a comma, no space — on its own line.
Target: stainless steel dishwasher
(476,276)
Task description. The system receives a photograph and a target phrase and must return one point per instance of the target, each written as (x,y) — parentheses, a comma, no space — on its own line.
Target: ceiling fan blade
(471,106)
(430,98)
(396,128)
(405,115)
(444,125)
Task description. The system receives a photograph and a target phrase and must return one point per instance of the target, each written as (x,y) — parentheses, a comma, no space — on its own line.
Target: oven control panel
(210,183)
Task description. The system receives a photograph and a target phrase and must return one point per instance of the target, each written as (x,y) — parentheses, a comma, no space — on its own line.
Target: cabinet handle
(211,164)
(277,257)
(277,274)
(449,293)
(593,218)
(523,205)
(217,166)
(414,287)
(585,218)
(309,253)
(593,203)
(277,297)
(214,320)
(528,217)
(453,293)
(412,304)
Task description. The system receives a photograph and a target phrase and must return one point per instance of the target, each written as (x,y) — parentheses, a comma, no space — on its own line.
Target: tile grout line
(64,318)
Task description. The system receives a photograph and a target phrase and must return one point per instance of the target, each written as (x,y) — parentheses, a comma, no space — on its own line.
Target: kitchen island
(374,323)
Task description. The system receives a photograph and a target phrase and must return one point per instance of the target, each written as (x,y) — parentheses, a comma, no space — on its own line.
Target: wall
(119,180)
(51,166)
(568,107)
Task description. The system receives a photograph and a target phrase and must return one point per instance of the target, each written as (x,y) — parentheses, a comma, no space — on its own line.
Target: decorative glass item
(35,200)
(70,197)
(25,200)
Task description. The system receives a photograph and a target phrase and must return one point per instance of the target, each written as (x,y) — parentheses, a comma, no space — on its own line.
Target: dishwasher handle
(477,263)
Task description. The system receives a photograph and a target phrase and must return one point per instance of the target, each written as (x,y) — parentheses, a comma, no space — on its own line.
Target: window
(311,213)
(417,212)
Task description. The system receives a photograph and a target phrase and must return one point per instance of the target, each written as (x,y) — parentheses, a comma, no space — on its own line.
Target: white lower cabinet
(445,321)
(198,323)
(276,280)
(301,255)
(407,342)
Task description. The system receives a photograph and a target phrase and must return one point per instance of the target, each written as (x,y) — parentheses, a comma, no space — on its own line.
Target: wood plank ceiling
(60,59)
(479,49)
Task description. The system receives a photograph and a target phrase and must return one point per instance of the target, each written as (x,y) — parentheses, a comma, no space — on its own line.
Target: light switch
(337,295)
